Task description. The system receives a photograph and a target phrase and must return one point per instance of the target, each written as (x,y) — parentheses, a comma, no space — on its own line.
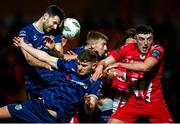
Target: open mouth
(145,48)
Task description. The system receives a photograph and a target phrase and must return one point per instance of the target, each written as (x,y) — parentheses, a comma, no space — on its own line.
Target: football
(71,28)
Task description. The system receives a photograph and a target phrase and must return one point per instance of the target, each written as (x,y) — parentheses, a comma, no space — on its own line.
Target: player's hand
(49,42)
(18,41)
(90,103)
(98,73)
(112,66)
(115,72)
(87,99)
(70,52)
(64,41)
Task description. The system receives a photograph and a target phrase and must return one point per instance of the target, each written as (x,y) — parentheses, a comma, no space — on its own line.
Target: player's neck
(38,25)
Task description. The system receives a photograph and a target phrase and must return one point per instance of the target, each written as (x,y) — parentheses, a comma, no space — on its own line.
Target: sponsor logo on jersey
(77,82)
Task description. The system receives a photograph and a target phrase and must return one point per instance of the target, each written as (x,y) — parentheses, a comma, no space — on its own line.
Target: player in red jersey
(118,74)
(146,99)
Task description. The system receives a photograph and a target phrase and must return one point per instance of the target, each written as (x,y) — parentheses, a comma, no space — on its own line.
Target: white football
(71,28)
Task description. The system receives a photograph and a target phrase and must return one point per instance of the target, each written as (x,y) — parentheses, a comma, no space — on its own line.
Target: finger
(46,37)
(73,53)
(16,41)
(15,44)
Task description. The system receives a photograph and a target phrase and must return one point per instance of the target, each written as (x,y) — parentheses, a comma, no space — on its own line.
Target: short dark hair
(95,35)
(54,10)
(129,33)
(87,56)
(144,29)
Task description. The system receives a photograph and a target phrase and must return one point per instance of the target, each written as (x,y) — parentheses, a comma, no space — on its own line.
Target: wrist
(100,66)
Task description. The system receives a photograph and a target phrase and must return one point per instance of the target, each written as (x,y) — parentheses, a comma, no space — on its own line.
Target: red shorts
(134,109)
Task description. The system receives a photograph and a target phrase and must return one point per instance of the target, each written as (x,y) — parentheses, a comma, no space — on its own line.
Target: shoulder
(28,27)
(26,30)
(78,50)
(157,47)
(129,46)
(68,64)
(156,51)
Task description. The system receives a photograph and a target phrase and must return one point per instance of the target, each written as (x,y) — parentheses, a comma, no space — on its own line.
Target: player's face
(99,46)
(144,42)
(85,68)
(51,23)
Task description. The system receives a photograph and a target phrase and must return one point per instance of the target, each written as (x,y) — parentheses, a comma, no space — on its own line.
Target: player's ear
(94,65)
(45,16)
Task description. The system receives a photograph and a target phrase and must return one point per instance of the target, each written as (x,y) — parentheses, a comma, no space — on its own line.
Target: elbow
(29,61)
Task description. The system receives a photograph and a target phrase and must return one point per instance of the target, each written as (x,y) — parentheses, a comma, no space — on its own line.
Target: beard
(46,27)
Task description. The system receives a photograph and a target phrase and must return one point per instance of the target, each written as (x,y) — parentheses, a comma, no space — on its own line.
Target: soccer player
(118,74)
(60,101)
(97,42)
(40,34)
(145,58)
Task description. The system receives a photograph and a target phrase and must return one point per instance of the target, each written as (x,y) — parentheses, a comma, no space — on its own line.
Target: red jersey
(144,86)
(146,100)
(152,89)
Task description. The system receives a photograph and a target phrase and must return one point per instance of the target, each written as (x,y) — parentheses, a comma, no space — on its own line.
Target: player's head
(144,38)
(87,62)
(130,36)
(52,18)
(97,41)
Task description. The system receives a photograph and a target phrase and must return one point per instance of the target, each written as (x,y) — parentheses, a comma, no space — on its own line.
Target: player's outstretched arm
(101,66)
(41,55)
(141,66)
(4,113)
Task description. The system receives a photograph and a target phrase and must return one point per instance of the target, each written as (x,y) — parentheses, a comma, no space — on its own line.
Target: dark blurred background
(112,17)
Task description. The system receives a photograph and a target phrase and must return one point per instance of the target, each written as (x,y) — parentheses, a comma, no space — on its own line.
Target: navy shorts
(31,111)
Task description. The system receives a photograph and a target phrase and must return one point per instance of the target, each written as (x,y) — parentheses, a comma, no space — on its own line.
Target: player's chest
(133,56)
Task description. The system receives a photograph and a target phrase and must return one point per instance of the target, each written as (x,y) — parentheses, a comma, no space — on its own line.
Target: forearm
(67,56)
(102,64)
(40,55)
(34,61)
(140,66)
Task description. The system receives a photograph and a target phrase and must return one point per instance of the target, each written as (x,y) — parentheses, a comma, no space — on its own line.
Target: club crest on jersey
(18,107)
(34,38)
(22,33)
(156,54)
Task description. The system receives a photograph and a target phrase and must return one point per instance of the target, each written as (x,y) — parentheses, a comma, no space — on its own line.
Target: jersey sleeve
(26,33)
(78,50)
(67,64)
(119,53)
(58,39)
(156,52)
(95,88)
